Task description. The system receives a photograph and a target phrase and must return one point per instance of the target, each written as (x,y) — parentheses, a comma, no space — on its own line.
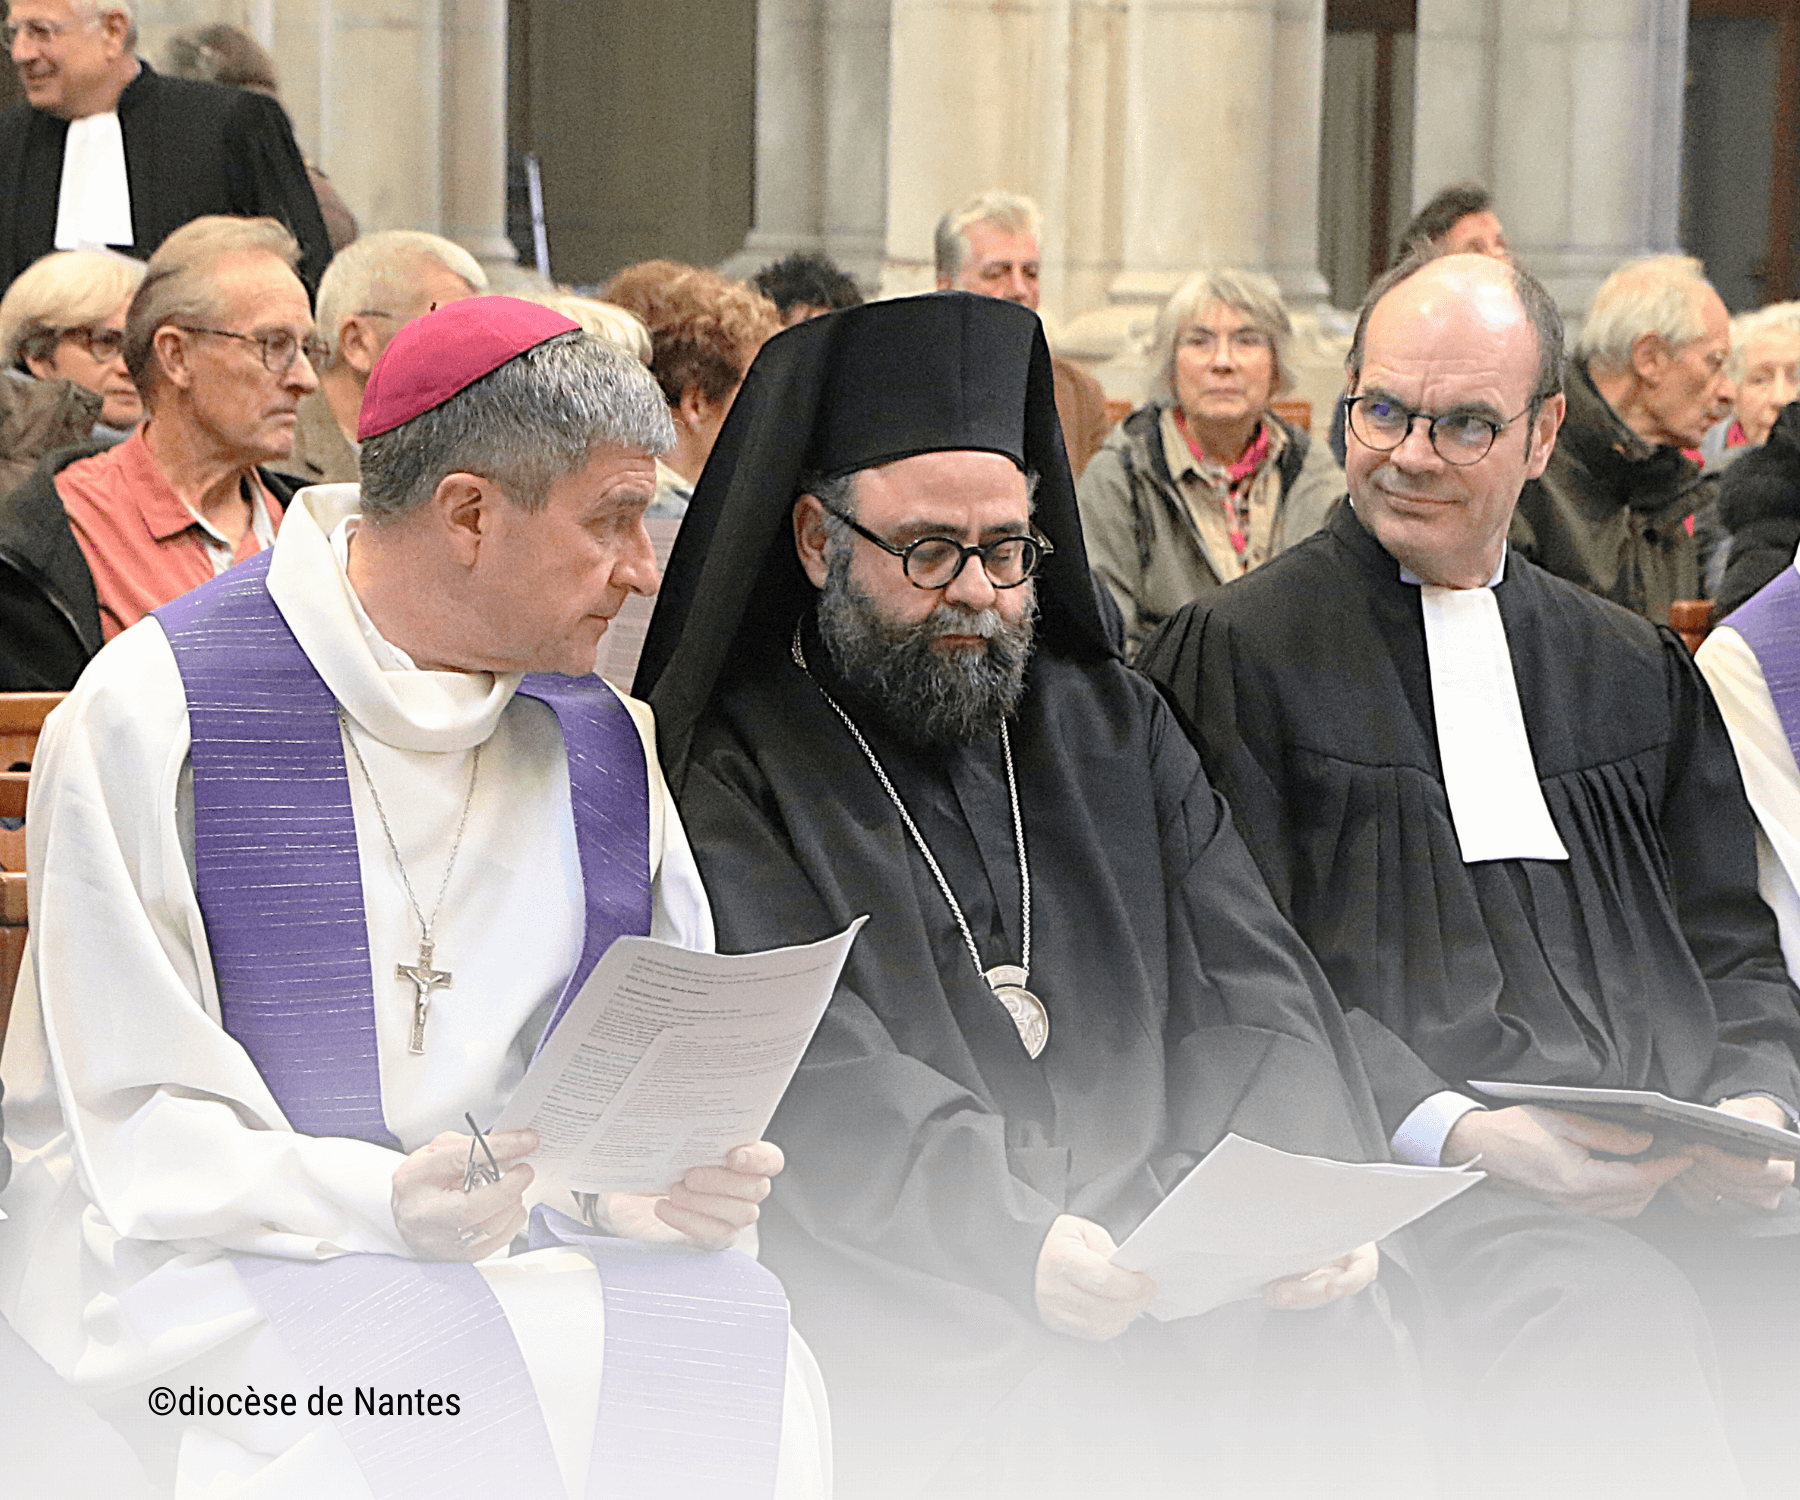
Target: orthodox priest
(317,857)
(1505,816)
(108,152)
(883,687)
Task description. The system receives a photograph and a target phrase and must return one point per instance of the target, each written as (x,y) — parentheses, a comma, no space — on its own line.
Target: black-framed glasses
(101,344)
(1459,438)
(279,346)
(935,562)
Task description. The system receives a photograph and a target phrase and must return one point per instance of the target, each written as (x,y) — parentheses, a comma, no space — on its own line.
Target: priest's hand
(1720,1184)
(710,1207)
(1343,1277)
(438,1220)
(1548,1154)
(1079,1290)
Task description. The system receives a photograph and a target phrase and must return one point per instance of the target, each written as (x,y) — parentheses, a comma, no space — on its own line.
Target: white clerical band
(1490,778)
(93,208)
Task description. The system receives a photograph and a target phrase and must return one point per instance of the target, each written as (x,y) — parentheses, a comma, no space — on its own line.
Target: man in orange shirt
(219,341)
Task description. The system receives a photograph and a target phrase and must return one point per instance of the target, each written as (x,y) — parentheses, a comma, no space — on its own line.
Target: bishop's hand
(1721,1184)
(710,1206)
(1550,1155)
(438,1220)
(1079,1290)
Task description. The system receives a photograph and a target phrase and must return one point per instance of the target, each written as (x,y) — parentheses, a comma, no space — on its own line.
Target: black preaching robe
(1646,960)
(927,1153)
(190,149)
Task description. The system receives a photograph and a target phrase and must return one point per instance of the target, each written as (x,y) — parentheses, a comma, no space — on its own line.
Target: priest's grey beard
(928,698)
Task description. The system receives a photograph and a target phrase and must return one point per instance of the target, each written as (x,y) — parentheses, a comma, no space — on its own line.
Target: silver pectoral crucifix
(424,979)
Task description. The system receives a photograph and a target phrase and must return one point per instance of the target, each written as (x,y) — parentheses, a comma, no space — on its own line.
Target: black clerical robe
(927,1153)
(190,149)
(1646,960)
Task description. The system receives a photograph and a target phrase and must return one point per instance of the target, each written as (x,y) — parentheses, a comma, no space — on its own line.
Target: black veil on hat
(848,391)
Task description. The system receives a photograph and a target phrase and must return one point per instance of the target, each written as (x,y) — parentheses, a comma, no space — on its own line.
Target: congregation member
(106,152)
(882,686)
(1504,815)
(806,285)
(704,330)
(1757,513)
(258,1023)
(1204,482)
(219,342)
(1612,510)
(604,320)
(1457,220)
(229,55)
(64,319)
(1764,370)
(989,246)
(370,291)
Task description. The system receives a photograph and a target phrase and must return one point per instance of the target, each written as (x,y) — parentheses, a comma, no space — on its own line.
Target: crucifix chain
(423,977)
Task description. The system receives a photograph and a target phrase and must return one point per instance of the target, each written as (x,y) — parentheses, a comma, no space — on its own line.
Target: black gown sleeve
(1238,725)
(1709,829)
(268,176)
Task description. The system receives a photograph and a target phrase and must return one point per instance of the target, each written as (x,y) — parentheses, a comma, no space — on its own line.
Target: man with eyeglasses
(220,343)
(1505,816)
(1613,509)
(882,686)
(108,152)
(372,289)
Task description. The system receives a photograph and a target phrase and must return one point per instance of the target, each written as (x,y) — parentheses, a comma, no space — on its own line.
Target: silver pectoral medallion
(1007,981)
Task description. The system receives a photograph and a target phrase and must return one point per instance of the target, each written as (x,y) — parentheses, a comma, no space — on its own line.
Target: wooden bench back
(22,716)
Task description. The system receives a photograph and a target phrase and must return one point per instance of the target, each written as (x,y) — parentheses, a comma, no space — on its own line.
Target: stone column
(980,98)
(821,134)
(1570,111)
(472,139)
(1219,162)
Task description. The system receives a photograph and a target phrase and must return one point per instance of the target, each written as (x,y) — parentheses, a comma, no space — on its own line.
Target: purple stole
(1769,622)
(280,889)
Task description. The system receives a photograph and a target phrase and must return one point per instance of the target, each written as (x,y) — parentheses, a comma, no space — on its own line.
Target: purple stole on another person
(280,888)
(1769,622)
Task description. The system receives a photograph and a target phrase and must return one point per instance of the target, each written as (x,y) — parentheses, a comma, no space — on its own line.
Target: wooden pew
(1691,619)
(22,716)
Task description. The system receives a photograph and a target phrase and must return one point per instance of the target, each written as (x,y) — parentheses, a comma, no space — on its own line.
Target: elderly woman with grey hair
(1204,482)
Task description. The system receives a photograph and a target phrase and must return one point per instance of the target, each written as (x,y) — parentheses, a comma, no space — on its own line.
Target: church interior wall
(1157,135)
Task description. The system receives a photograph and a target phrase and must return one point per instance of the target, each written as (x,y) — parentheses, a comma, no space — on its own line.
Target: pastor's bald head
(1478,279)
(1455,405)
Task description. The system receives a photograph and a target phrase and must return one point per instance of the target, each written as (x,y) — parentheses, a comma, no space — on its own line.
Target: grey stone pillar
(1570,113)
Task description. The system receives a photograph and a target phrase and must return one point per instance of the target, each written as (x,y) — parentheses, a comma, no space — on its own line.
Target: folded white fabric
(93,208)
(1490,778)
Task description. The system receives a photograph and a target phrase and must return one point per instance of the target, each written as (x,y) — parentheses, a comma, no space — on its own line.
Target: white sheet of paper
(623,642)
(669,1058)
(1249,1214)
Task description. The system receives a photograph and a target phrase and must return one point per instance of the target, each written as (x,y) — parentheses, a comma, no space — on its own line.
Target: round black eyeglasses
(935,562)
(1460,438)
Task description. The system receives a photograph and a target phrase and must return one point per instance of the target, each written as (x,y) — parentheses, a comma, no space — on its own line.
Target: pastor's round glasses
(1460,438)
(279,346)
(934,562)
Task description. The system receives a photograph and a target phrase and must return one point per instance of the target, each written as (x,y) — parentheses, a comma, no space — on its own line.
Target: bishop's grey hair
(524,426)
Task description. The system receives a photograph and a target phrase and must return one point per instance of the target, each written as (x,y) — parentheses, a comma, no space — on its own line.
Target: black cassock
(190,149)
(1646,960)
(928,1154)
